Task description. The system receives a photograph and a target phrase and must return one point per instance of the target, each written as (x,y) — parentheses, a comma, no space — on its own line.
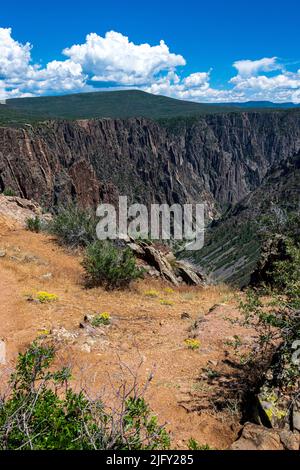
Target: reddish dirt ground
(145,335)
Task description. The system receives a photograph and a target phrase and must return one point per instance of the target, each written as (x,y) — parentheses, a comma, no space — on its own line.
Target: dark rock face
(217,159)
(272,251)
(242,245)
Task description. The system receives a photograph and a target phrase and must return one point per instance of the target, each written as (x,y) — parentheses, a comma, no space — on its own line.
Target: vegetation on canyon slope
(277,323)
(115,104)
(237,241)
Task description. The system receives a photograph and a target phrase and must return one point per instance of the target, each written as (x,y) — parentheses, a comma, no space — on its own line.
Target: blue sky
(212,50)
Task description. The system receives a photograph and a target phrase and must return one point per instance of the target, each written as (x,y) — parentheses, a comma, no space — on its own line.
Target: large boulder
(255,437)
(158,260)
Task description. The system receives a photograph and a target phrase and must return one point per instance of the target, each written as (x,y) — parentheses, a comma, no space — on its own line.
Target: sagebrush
(73,226)
(43,412)
(34,224)
(110,266)
(274,313)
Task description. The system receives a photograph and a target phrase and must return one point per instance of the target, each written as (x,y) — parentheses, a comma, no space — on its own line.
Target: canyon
(216,159)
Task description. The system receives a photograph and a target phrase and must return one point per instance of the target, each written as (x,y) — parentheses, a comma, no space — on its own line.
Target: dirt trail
(12,320)
(144,331)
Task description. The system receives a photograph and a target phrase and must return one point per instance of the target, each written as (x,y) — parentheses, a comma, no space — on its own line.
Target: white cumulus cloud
(14,56)
(247,68)
(120,63)
(19,77)
(113,58)
(284,86)
(194,87)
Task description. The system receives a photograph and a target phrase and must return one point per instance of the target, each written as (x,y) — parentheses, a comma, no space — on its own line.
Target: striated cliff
(217,159)
(239,243)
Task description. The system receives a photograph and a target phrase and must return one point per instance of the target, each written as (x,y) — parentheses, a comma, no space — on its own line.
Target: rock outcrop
(17,210)
(158,260)
(254,437)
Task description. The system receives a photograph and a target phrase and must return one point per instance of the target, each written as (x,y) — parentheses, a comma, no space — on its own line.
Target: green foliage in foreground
(286,275)
(194,445)
(42,412)
(74,227)
(277,322)
(109,266)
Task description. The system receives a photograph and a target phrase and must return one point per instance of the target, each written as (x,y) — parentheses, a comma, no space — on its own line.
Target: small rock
(153,272)
(296,419)
(86,348)
(91,341)
(89,329)
(2,253)
(159,262)
(185,316)
(16,258)
(47,276)
(88,318)
(170,257)
(213,308)
(290,439)
(213,363)
(62,334)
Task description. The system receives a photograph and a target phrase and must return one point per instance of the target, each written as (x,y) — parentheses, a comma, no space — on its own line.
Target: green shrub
(277,324)
(9,192)
(42,412)
(276,321)
(109,266)
(74,227)
(34,224)
(194,445)
(286,273)
(101,319)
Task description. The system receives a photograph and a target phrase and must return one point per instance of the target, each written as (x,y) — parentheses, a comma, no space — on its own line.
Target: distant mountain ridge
(260,104)
(117,104)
